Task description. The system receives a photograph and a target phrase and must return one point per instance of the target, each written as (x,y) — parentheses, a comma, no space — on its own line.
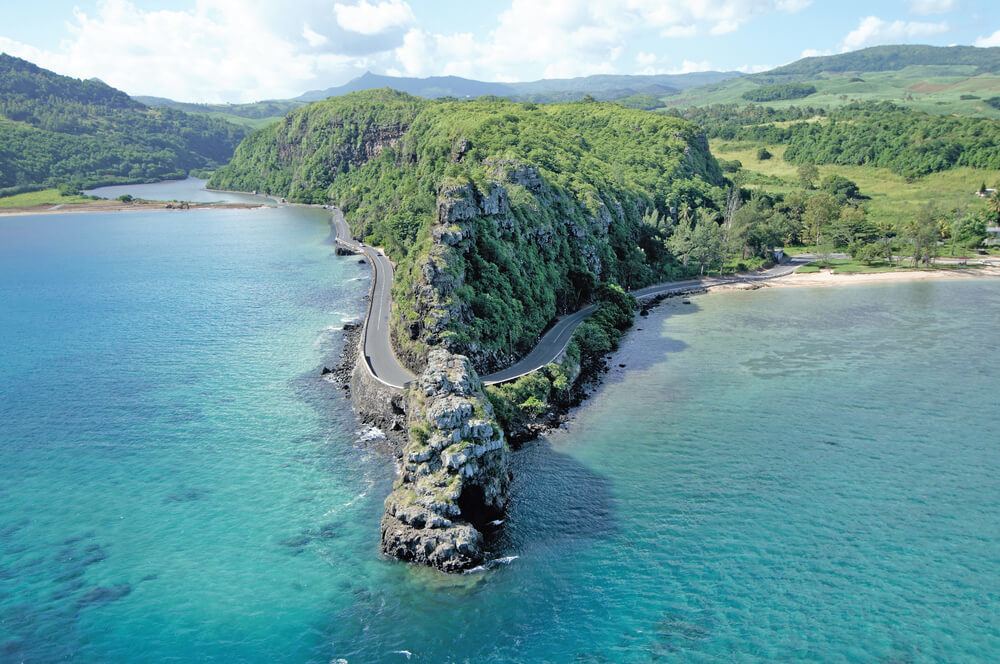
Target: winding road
(386,368)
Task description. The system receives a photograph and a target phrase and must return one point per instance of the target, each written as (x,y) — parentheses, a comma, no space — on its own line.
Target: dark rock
(454,476)
(326,370)
(644,312)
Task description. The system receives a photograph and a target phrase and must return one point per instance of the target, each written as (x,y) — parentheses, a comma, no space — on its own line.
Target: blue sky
(245,50)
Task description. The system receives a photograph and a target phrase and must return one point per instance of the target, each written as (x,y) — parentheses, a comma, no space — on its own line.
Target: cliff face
(454,473)
(300,156)
(499,216)
(480,235)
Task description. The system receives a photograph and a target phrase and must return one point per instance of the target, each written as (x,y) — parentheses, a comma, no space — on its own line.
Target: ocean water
(782,475)
(190,189)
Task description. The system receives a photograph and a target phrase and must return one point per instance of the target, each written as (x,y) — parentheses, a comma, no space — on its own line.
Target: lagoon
(787,474)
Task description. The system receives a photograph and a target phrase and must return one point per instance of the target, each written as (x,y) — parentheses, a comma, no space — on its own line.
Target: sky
(248,50)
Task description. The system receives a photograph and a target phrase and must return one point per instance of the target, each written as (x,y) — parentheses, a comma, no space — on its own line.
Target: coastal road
(555,340)
(377,346)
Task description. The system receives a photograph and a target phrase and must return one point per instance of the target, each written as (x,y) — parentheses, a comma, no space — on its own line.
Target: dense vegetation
(534,398)
(589,190)
(259,110)
(779,91)
(56,130)
(905,141)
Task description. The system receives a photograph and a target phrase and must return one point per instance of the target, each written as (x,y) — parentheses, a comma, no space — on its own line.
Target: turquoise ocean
(779,475)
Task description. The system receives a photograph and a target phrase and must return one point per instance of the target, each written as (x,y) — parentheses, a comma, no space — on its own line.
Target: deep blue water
(779,475)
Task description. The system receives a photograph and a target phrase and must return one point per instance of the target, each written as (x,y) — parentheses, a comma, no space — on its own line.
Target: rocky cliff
(301,155)
(454,472)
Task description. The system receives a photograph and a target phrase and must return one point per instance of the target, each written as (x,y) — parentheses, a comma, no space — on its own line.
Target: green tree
(808,174)
(968,231)
(993,205)
(821,209)
(922,233)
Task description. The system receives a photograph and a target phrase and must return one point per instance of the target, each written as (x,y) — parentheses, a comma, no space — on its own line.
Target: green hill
(894,58)
(499,214)
(56,130)
(253,115)
(941,80)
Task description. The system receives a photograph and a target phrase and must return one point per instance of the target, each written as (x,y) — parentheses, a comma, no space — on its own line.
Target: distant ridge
(892,58)
(603,87)
(432,87)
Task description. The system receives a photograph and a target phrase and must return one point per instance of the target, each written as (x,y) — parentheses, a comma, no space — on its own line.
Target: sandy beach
(829,278)
(119,206)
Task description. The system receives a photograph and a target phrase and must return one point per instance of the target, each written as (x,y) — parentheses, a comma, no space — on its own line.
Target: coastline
(616,364)
(827,278)
(118,206)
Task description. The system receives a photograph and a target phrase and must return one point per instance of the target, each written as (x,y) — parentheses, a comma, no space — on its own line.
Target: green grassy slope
(940,80)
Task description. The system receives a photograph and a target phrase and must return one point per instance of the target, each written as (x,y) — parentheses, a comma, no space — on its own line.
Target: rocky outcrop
(454,472)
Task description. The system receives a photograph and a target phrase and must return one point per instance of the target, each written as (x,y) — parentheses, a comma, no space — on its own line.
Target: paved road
(378,348)
(555,340)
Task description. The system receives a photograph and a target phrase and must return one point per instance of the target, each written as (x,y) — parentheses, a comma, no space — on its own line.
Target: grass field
(43,197)
(893,198)
(932,89)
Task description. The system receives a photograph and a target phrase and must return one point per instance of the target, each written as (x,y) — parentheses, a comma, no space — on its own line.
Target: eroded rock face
(454,473)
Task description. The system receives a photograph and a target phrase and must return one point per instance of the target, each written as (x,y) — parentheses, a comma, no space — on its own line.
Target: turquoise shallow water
(776,475)
(190,189)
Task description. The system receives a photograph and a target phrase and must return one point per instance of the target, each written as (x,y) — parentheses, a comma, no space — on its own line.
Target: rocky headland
(454,471)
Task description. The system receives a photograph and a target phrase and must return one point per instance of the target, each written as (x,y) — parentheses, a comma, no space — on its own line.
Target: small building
(986,193)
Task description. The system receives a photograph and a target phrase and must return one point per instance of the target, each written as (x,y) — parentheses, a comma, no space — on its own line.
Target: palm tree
(993,203)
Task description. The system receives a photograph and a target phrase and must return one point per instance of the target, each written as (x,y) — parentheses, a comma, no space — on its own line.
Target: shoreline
(827,278)
(118,206)
(615,367)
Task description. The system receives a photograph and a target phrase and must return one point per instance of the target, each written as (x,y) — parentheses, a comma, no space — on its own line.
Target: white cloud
(312,37)
(680,31)
(218,50)
(243,50)
(754,69)
(991,40)
(925,7)
(564,38)
(814,52)
(872,30)
(372,19)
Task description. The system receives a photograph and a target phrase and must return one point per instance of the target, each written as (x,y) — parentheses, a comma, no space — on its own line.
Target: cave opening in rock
(472,504)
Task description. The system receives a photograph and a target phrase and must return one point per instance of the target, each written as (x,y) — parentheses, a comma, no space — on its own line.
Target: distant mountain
(57,130)
(603,87)
(432,87)
(605,84)
(894,58)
